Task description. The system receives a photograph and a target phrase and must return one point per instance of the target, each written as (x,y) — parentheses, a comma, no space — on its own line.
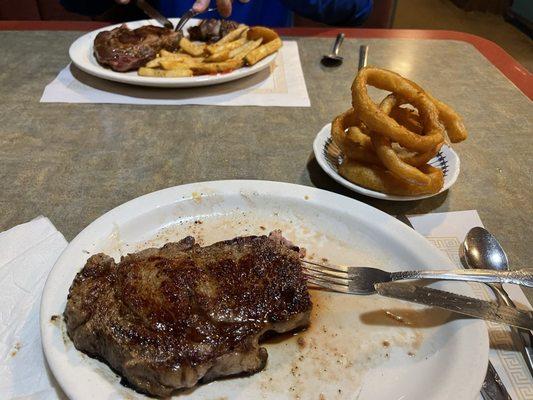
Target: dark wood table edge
(497,56)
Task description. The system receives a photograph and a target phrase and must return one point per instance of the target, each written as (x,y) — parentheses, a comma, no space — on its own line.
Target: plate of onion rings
(397,149)
(330,157)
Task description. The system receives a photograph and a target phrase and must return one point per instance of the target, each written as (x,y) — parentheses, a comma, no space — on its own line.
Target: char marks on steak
(168,318)
(212,30)
(123,49)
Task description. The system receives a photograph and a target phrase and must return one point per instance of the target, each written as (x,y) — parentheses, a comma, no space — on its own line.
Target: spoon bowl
(481,250)
(333,59)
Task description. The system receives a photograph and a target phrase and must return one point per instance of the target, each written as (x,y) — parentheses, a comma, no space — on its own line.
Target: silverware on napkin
(492,387)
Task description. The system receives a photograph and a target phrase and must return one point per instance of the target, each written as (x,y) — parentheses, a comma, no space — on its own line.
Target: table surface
(74,162)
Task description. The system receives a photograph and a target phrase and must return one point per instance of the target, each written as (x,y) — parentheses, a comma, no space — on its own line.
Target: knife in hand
(154,14)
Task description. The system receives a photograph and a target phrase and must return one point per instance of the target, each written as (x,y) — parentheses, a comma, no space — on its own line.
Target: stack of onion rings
(386,147)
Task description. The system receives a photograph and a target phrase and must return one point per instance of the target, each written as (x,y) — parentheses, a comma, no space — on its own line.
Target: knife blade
(154,14)
(457,303)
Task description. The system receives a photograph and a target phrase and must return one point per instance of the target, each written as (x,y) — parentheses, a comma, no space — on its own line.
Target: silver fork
(188,15)
(361,280)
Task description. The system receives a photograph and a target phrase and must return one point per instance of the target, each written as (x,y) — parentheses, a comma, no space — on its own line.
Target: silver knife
(154,14)
(457,303)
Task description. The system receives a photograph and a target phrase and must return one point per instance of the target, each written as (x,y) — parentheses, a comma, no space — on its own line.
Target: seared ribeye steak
(212,30)
(167,318)
(123,49)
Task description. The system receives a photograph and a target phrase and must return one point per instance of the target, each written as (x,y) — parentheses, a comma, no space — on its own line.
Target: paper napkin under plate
(280,85)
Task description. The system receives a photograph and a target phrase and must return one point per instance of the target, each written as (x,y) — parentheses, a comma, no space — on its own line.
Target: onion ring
(390,159)
(453,123)
(408,118)
(354,144)
(357,145)
(378,121)
(377,178)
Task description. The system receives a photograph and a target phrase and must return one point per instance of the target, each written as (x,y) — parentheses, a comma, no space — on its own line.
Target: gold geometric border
(499,335)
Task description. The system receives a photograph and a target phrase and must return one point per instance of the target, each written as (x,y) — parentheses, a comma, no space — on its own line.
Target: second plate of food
(82,55)
(356,346)
(329,157)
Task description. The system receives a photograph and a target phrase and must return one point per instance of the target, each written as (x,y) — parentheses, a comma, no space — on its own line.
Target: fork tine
(184,19)
(326,267)
(342,275)
(327,277)
(327,285)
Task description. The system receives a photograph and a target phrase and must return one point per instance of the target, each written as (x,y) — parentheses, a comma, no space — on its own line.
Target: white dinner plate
(81,54)
(352,348)
(446,159)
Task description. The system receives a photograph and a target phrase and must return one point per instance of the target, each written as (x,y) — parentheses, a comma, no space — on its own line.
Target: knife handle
(523,338)
(523,277)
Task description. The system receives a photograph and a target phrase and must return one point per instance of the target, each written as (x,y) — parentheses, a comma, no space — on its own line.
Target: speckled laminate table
(73,162)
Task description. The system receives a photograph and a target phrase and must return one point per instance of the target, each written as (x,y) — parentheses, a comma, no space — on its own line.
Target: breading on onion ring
(378,121)
(390,158)
(453,123)
(377,178)
(408,118)
(354,144)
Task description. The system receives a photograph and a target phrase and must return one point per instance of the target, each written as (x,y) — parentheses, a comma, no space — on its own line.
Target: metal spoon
(481,250)
(333,59)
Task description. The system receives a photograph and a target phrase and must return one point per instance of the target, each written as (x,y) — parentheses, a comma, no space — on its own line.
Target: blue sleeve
(87,7)
(332,12)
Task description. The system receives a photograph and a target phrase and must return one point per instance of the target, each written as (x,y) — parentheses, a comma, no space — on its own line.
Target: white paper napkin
(281,85)
(447,231)
(27,254)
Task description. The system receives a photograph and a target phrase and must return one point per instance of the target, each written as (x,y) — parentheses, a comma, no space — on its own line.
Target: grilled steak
(168,318)
(212,30)
(123,49)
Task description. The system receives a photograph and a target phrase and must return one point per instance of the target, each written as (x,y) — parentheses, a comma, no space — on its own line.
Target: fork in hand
(188,15)
(361,280)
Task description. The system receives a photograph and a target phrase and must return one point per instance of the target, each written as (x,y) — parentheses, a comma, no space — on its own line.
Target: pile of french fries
(240,47)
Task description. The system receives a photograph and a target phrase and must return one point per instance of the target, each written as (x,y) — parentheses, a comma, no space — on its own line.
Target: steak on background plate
(168,318)
(123,49)
(212,30)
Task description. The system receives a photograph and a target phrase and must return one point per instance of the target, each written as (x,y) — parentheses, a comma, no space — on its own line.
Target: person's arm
(95,7)
(87,7)
(332,12)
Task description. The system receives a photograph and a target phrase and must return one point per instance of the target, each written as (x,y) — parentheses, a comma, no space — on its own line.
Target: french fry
(166,53)
(192,48)
(160,73)
(263,51)
(170,65)
(153,63)
(257,32)
(215,68)
(241,52)
(234,34)
(242,46)
(157,62)
(216,48)
(219,56)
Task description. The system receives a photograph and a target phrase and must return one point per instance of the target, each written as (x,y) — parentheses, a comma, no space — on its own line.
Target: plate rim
(172,195)
(325,132)
(80,45)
